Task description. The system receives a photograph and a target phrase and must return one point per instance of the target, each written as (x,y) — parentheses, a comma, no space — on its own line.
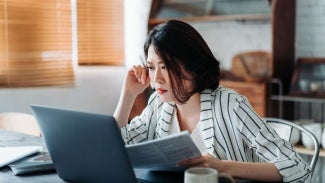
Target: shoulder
(223,93)
(224,97)
(225,90)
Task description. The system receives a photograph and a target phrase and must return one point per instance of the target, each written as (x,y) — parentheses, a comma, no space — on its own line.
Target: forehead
(153,57)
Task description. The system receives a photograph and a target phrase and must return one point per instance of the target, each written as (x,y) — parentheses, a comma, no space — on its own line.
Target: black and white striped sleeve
(268,145)
(142,127)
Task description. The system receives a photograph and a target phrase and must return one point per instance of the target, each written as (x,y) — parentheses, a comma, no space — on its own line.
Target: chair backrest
(19,122)
(287,136)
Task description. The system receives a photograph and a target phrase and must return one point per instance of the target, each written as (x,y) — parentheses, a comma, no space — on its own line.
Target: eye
(149,67)
(163,67)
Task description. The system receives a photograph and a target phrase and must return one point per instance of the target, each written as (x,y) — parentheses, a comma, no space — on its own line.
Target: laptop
(84,147)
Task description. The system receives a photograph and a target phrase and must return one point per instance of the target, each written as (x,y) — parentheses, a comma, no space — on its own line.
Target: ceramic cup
(316,129)
(204,175)
(304,85)
(316,86)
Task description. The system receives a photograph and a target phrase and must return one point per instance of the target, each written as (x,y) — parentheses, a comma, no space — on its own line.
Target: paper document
(38,162)
(163,153)
(11,154)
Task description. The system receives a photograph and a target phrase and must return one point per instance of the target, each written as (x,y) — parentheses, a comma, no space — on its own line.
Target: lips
(161,91)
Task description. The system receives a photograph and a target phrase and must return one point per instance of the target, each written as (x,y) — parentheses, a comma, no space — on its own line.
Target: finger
(134,71)
(201,162)
(144,75)
(131,72)
(199,165)
(141,73)
(137,72)
(191,161)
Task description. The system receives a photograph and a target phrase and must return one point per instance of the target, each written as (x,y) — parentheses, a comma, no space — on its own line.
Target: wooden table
(9,138)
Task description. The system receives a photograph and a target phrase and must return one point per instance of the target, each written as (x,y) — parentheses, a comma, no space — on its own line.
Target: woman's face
(159,76)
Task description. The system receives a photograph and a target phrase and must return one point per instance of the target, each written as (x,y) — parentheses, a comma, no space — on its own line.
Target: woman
(185,75)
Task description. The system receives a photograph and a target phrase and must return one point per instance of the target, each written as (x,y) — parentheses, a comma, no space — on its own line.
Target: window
(36,39)
(35,43)
(100,32)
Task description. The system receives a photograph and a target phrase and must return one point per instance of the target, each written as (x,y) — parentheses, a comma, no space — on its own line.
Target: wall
(136,15)
(96,89)
(310,28)
(227,38)
(231,37)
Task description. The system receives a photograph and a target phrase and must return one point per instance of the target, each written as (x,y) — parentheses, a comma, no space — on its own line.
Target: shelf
(298,99)
(301,149)
(239,17)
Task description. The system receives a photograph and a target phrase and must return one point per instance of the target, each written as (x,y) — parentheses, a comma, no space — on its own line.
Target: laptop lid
(84,147)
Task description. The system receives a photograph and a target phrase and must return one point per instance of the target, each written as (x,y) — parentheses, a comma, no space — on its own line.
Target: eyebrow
(160,62)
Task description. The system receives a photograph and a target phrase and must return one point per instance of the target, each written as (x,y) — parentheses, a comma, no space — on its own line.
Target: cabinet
(302,106)
(298,101)
(256,93)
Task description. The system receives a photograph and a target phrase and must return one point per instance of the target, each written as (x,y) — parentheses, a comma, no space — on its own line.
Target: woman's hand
(137,80)
(203,161)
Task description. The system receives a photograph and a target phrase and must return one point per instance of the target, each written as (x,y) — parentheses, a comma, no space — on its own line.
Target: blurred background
(74,53)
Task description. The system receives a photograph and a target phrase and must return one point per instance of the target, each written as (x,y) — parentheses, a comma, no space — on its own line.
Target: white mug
(204,175)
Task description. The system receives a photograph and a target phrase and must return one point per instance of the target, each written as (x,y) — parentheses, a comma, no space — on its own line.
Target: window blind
(35,43)
(100,27)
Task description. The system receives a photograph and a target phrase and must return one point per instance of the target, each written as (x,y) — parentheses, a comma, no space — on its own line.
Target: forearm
(124,108)
(252,171)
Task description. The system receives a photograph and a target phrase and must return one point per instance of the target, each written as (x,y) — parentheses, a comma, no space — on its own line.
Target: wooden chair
(19,122)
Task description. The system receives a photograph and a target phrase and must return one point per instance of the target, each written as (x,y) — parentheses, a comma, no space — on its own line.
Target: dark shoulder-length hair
(186,56)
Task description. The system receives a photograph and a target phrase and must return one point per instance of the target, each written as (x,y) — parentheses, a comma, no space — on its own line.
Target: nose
(157,76)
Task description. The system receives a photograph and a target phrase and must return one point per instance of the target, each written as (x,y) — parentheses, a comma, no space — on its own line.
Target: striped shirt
(230,128)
